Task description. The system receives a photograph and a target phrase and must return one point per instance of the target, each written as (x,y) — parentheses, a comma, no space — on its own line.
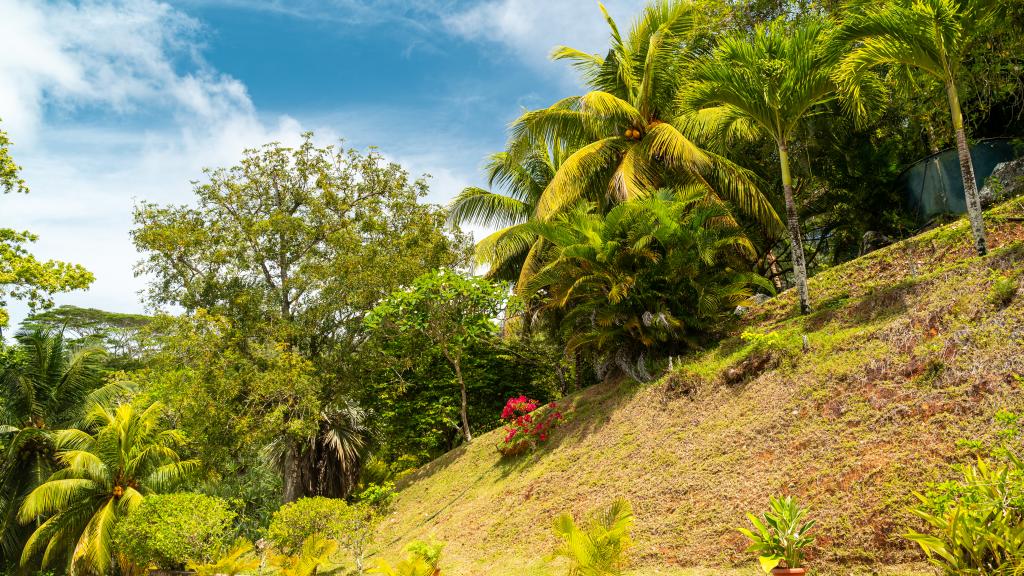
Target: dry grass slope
(906,355)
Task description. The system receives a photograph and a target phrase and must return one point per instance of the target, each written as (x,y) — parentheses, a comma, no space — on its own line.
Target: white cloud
(532,28)
(65,69)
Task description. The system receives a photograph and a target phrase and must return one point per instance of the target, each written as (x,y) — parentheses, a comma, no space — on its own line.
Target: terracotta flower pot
(788,572)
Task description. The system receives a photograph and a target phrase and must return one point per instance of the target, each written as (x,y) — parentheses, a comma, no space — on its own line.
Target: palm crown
(627,134)
(43,390)
(105,476)
(513,250)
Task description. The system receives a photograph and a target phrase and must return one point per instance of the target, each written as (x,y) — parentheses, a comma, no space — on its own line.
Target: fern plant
(597,548)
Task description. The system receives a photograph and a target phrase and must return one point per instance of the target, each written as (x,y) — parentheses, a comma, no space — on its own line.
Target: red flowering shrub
(525,425)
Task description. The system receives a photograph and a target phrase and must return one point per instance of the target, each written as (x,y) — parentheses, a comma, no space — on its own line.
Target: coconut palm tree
(105,475)
(516,181)
(626,135)
(932,36)
(766,82)
(647,279)
(45,386)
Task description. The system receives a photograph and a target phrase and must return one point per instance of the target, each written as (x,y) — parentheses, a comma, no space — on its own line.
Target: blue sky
(111,102)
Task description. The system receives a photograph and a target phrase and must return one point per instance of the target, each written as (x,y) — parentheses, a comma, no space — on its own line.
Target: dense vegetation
(327,340)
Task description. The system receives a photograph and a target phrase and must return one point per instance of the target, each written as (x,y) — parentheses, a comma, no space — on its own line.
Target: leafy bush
(306,520)
(976,525)
(782,534)
(296,522)
(524,426)
(598,548)
(173,530)
(378,496)
(1003,290)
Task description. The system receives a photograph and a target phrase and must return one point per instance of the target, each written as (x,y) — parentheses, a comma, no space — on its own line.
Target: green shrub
(378,496)
(1003,290)
(597,548)
(782,534)
(975,525)
(173,530)
(296,522)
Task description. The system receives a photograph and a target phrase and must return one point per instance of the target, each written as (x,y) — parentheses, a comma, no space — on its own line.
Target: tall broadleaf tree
(627,134)
(105,475)
(766,82)
(931,36)
(293,246)
(449,313)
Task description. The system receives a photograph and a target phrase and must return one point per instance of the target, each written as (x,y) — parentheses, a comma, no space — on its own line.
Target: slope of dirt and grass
(851,408)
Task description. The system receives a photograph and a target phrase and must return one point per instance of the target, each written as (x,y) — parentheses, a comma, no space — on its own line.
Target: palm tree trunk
(967,171)
(778,279)
(465,401)
(793,225)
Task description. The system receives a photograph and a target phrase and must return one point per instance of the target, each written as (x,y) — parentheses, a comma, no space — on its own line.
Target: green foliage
(314,553)
(627,136)
(975,525)
(23,277)
(422,559)
(123,336)
(781,534)
(1003,290)
(446,312)
(598,547)
(276,263)
(46,385)
(650,278)
(175,530)
(306,518)
(10,179)
(415,397)
(237,559)
(378,496)
(105,475)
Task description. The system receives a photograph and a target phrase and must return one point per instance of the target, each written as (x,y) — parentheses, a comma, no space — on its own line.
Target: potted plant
(780,537)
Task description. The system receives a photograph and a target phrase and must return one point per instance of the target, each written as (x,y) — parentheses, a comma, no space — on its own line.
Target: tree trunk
(579,371)
(967,171)
(465,401)
(778,279)
(793,225)
(292,476)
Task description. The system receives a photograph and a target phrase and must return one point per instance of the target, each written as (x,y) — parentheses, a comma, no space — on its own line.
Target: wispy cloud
(530,29)
(110,102)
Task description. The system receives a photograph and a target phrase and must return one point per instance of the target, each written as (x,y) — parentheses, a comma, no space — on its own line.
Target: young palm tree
(627,135)
(928,35)
(646,279)
(45,387)
(512,252)
(105,476)
(767,82)
(597,548)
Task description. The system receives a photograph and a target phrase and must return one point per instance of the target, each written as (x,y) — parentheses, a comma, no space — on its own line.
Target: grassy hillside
(905,355)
